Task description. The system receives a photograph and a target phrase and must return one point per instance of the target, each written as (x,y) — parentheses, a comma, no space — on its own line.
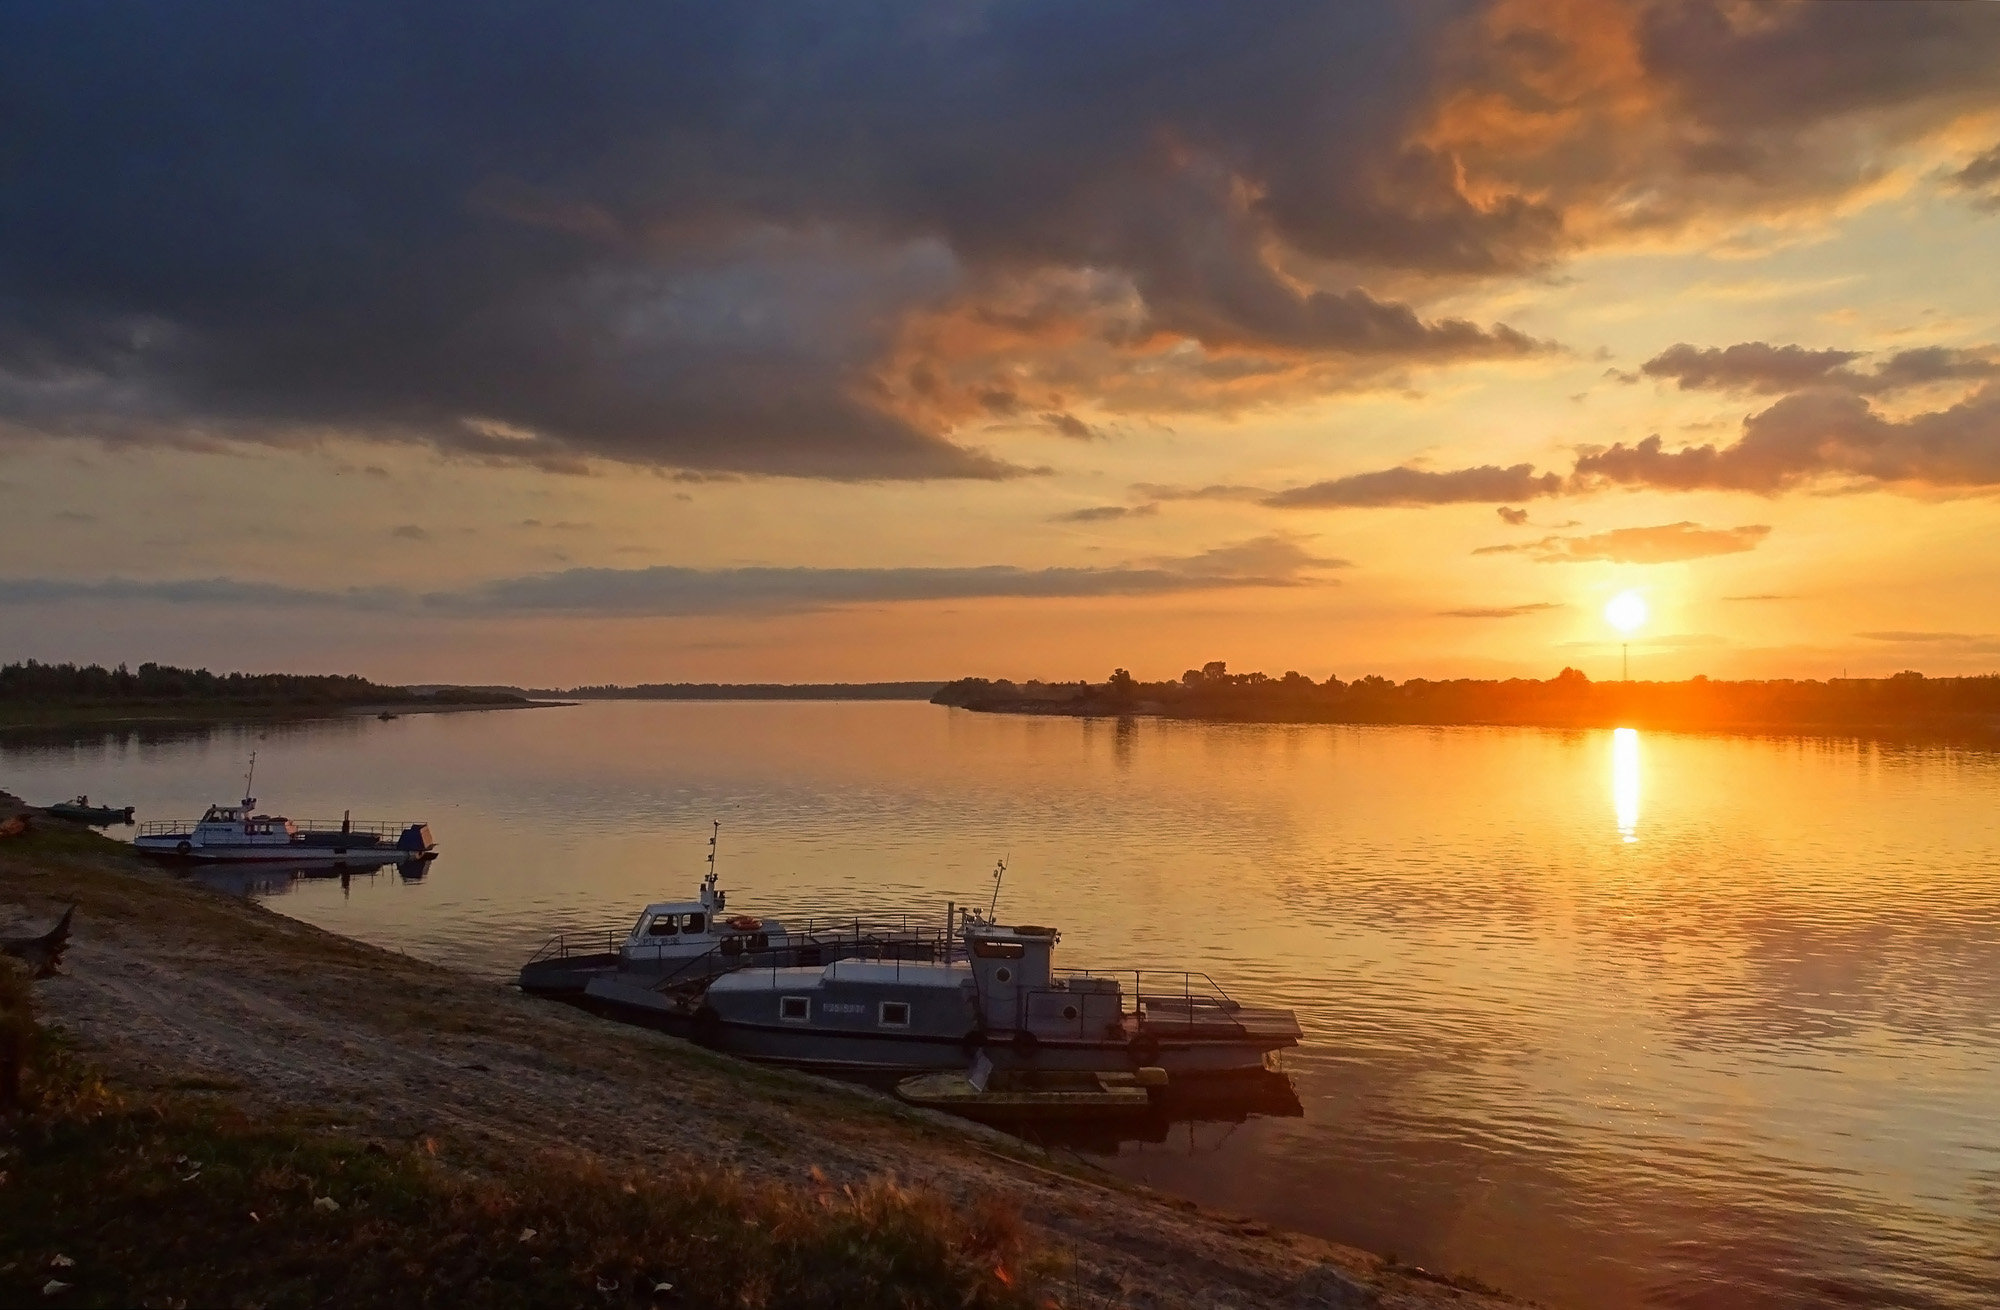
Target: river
(1605,1019)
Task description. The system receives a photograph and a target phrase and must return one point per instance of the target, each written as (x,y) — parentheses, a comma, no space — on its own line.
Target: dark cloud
(1648,117)
(1756,366)
(1408,486)
(1818,434)
(1668,543)
(195,591)
(1981,178)
(1499,611)
(1214,491)
(1069,425)
(1106,513)
(1750,366)
(788,239)
(1274,561)
(1941,637)
(411,532)
(1512,517)
(707,239)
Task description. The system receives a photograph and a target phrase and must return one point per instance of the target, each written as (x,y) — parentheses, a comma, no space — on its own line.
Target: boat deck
(1175,1018)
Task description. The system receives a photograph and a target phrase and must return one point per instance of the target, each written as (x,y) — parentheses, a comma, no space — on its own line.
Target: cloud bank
(1273,561)
(780,239)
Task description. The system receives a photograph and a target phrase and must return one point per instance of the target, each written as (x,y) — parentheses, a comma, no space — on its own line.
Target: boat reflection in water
(264,880)
(1171,1111)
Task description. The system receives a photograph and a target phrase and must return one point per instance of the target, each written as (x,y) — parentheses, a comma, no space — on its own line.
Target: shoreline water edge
(536,1133)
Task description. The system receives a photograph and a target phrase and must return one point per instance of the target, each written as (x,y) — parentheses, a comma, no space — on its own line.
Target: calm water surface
(1605,1019)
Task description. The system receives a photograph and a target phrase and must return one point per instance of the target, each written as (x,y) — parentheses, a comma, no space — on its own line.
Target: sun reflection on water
(1625,781)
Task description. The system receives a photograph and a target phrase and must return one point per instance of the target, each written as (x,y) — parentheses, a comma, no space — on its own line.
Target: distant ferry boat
(239,833)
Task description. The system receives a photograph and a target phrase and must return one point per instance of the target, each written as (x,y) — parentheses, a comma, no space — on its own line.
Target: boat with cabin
(239,833)
(994,991)
(680,944)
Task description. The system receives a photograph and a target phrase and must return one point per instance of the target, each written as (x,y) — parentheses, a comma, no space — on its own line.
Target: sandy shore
(169,984)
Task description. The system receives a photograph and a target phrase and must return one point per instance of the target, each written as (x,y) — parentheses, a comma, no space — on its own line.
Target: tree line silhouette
(1906,701)
(93,684)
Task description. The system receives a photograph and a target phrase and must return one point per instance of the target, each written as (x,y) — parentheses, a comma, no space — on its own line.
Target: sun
(1626,611)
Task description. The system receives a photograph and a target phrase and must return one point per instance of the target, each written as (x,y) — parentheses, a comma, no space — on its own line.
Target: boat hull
(97,816)
(631,1001)
(300,853)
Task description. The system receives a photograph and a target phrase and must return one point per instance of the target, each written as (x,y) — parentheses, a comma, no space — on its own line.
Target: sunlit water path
(1607,1020)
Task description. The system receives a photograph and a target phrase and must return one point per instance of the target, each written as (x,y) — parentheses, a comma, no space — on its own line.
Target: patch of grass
(175,1199)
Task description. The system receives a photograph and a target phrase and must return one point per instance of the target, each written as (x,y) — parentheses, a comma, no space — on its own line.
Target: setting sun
(1626,611)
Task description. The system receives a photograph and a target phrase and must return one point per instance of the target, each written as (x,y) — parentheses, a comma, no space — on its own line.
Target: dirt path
(168,984)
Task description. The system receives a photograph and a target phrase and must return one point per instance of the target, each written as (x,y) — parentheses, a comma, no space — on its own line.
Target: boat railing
(365,827)
(900,939)
(565,944)
(1163,988)
(819,940)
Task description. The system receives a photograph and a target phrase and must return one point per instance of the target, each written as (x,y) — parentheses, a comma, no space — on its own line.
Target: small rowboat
(82,811)
(1012,1095)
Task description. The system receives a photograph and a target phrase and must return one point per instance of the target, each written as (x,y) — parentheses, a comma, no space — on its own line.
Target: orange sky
(1243,369)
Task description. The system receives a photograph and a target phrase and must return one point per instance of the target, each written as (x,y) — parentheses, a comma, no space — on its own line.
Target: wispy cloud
(1411,486)
(1499,611)
(1273,561)
(1666,543)
(1106,513)
(1213,491)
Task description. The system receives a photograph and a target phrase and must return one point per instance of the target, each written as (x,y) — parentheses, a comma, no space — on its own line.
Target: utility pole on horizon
(1625,612)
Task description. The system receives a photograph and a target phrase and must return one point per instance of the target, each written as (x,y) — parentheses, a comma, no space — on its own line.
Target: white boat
(674,943)
(238,833)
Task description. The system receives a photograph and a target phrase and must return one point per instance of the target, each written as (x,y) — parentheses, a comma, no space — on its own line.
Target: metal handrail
(365,827)
(1169,984)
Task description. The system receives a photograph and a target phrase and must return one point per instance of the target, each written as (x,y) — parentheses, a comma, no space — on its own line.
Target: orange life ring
(744,923)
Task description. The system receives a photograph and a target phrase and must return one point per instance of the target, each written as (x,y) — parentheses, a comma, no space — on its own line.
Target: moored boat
(681,944)
(1002,997)
(238,833)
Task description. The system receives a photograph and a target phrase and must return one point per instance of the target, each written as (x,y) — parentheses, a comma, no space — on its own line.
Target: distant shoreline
(823,691)
(1908,704)
(29,718)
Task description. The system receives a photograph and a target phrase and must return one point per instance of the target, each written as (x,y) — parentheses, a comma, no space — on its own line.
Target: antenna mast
(999,872)
(715,831)
(248,799)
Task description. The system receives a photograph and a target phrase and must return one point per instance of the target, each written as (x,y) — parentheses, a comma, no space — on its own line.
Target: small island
(1908,702)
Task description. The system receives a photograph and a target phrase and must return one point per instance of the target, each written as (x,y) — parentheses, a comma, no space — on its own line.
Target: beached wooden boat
(82,811)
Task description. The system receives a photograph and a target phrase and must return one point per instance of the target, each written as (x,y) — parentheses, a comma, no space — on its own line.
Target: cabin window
(895,1014)
(696,922)
(795,1009)
(986,950)
(1069,1012)
(1003,975)
(664,925)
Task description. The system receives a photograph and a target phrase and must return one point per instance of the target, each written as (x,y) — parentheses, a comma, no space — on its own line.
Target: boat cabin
(679,929)
(235,825)
(1005,984)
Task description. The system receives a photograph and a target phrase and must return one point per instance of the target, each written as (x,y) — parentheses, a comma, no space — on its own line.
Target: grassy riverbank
(211,1061)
